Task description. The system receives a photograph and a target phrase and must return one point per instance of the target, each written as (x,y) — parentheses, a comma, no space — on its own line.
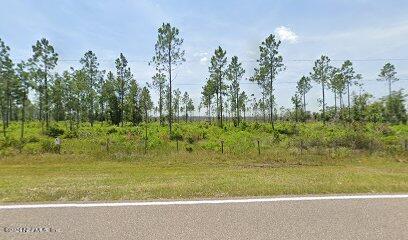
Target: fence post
(301,147)
(259,149)
(406,144)
(145,150)
(222,146)
(20,146)
(177,144)
(107,144)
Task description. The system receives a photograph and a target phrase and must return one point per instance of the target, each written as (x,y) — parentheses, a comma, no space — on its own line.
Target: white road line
(197,202)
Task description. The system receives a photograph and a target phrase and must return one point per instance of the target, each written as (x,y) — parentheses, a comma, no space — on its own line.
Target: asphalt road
(311,219)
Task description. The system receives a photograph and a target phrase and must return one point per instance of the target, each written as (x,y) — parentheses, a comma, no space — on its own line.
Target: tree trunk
(324,104)
(23,116)
(122,93)
(46,100)
(160,106)
(220,86)
(170,93)
(304,107)
(3,115)
(209,111)
(6,104)
(263,107)
(348,101)
(271,99)
(237,107)
(335,102)
(389,88)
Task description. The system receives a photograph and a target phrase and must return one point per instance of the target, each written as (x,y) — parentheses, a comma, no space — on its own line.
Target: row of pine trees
(91,94)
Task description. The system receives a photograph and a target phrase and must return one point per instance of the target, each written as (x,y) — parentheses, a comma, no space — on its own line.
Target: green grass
(51,177)
(335,159)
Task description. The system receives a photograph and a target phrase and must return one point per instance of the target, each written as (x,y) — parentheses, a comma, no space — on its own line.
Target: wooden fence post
(259,149)
(145,150)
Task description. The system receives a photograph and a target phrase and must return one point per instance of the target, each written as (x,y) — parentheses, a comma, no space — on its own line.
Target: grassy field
(303,159)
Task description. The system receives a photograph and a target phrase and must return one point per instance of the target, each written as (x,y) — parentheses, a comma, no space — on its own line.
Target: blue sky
(342,29)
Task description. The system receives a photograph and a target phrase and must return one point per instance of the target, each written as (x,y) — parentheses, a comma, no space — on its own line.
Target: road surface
(339,217)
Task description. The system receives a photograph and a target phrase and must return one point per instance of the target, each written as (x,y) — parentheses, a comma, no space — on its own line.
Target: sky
(369,32)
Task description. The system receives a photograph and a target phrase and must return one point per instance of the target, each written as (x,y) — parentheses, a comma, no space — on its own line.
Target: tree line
(90,94)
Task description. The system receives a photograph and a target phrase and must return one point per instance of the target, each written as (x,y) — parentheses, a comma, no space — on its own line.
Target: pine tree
(337,83)
(395,107)
(217,72)
(123,77)
(177,99)
(90,68)
(351,78)
(70,97)
(168,55)
(207,96)
(44,61)
(242,103)
(133,105)
(321,75)
(24,85)
(296,104)
(188,105)
(7,81)
(387,74)
(235,72)
(146,102)
(303,87)
(159,82)
(57,99)
(270,64)
(112,100)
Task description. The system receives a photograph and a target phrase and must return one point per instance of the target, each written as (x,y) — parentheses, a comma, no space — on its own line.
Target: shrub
(8,142)
(243,126)
(71,134)
(385,130)
(111,130)
(286,129)
(48,145)
(176,135)
(54,131)
(33,139)
(189,149)
(190,140)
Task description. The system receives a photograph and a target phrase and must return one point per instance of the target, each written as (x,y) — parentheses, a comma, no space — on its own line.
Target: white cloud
(203,56)
(285,34)
(204,60)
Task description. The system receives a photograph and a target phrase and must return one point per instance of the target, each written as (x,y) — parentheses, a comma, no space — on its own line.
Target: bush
(8,142)
(71,134)
(48,145)
(286,129)
(189,149)
(385,130)
(33,139)
(176,135)
(190,140)
(54,131)
(111,130)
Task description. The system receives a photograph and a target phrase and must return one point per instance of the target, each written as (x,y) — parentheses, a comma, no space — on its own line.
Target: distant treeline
(90,94)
